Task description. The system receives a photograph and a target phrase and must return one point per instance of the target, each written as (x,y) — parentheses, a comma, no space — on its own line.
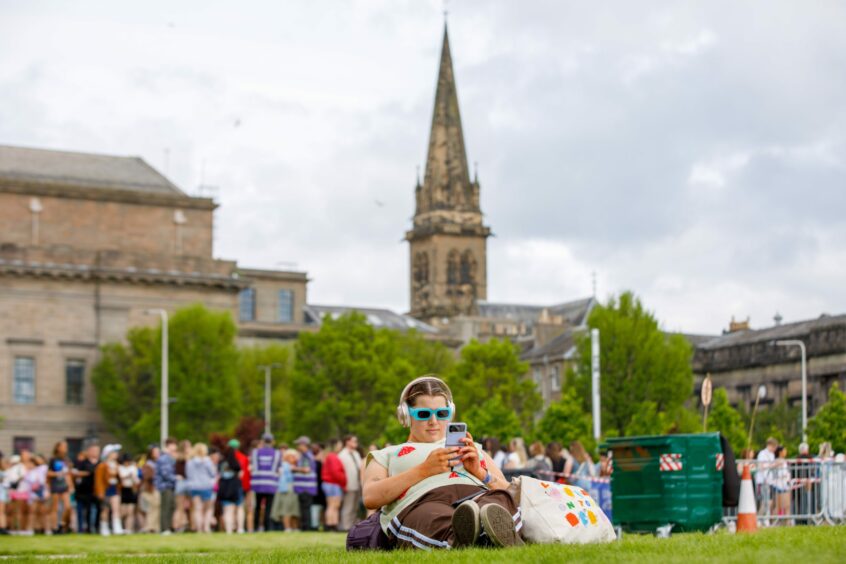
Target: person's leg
(257,511)
(349,510)
(229,517)
(305,511)
(208,515)
(333,508)
(166,510)
(426,525)
(2,516)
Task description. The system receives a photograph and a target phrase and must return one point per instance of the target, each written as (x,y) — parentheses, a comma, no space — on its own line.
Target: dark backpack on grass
(368,535)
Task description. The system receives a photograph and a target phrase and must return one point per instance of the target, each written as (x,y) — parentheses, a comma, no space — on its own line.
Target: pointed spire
(446,163)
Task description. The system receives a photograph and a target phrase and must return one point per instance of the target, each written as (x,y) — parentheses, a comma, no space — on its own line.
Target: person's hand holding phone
(469,457)
(439,460)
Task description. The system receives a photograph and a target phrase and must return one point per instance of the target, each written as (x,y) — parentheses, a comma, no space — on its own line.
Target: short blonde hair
(200,450)
(291,452)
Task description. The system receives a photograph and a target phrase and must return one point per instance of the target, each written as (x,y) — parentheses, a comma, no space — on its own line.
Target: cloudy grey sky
(693,152)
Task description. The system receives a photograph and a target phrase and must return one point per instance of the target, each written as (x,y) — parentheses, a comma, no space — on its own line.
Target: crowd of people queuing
(791,487)
(184,487)
(263,487)
(193,487)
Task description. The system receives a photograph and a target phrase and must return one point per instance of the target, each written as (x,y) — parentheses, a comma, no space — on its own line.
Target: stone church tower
(448,243)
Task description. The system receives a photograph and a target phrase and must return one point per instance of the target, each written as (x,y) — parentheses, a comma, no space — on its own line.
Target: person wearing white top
(351,460)
(763,478)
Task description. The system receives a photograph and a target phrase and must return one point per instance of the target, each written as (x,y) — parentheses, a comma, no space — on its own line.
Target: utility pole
(267,368)
(594,348)
(165,400)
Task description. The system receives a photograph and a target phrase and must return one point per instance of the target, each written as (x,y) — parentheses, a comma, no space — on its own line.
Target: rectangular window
(538,378)
(555,380)
(286,306)
(23,443)
(74,382)
(24,380)
(247,304)
(74,447)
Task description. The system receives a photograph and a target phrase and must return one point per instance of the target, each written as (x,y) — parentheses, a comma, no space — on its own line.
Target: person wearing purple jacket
(305,481)
(265,463)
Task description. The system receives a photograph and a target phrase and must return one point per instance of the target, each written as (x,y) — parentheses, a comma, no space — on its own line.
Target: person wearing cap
(305,481)
(230,492)
(265,462)
(433,496)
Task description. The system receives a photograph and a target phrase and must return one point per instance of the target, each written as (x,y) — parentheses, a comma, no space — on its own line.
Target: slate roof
(88,170)
(377,317)
(784,331)
(575,312)
(556,347)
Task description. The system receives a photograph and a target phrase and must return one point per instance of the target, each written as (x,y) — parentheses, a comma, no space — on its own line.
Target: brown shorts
(427,523)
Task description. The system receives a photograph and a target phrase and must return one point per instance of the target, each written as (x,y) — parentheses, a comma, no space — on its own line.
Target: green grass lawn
(797,544)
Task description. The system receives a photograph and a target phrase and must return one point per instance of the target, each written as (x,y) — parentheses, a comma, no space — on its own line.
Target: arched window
(421,268)
(468,268)
(452,267)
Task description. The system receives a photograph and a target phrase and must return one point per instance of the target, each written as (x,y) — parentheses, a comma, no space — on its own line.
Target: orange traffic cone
(747,516)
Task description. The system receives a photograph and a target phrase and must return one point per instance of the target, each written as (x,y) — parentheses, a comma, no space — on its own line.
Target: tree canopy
(202,379)
(829,424)
(723,418)
(639,363)
(348,375)
(493,371)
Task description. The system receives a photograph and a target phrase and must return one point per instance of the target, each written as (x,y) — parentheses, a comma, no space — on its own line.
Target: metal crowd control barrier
(796,492)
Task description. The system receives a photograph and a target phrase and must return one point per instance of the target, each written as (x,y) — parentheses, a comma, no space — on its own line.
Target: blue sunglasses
(425,413)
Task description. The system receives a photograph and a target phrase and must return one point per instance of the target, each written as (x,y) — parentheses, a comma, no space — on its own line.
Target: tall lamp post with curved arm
(801,345)
(165,400)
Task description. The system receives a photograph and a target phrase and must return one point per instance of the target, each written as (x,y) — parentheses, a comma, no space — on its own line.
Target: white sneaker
(117,527)
(104,530)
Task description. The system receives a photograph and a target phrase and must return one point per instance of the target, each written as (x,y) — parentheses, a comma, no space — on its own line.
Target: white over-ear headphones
(404,416)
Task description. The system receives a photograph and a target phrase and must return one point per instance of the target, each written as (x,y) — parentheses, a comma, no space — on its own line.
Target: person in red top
(244,461)
(334,483)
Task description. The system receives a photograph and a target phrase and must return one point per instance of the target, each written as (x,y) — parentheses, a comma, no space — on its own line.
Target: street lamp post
(267,368)
(165,400)
(595,392)
(801,345)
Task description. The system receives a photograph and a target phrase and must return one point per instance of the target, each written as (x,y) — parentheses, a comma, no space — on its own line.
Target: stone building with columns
(88,243)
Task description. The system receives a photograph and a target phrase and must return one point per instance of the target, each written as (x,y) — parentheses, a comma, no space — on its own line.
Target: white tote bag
(556,513)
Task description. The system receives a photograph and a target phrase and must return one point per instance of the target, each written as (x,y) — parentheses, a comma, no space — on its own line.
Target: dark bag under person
(368,535)
(731,481)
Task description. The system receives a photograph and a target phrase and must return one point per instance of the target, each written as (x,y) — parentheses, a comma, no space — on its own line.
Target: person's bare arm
(379,489)
(470,461)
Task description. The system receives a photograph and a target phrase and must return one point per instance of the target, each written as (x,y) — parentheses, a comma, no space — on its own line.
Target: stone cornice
(820,342)
(81,192)
(59,263)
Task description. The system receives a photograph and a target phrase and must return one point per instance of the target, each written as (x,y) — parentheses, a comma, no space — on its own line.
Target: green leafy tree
(639,363)
(493,370)
(251,383)
(203,381)
(725,419)
(347,376)
(565,421)
(492,419)
(829,424)
(780,421)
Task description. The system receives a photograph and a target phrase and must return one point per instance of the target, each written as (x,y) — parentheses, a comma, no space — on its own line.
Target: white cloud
(673,148)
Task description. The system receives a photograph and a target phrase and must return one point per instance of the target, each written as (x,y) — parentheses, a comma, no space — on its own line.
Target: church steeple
(447,176)
(448,240)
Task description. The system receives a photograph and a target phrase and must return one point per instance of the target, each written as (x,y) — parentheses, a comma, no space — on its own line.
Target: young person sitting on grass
(437,497)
